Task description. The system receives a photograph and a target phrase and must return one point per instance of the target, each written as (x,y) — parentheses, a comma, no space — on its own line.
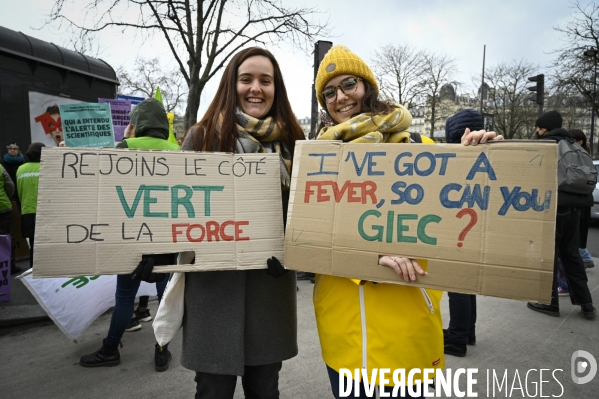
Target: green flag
(171,134)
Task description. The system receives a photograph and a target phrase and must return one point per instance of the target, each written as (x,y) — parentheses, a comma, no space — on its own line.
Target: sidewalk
(530,350)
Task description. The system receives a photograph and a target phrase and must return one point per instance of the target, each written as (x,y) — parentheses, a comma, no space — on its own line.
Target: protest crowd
(243,322)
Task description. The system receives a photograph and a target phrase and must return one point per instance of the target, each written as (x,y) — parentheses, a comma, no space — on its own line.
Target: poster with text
(87,125)
(480,219)
(122,203)
(45,119)
(120,115)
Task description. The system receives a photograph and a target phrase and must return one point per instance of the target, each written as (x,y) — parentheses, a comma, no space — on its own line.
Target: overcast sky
(511,29)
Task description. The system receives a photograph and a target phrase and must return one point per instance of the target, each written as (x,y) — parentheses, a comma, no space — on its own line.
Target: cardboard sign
(480,219)
(87,125)
(100,210)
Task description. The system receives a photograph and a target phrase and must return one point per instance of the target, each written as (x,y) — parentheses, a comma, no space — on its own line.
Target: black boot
(551,310)
(162,357)
(453,348)
(106,356)
(588,311)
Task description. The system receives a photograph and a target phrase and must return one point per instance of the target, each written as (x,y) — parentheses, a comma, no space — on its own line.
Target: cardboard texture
(100,210)
(481,220)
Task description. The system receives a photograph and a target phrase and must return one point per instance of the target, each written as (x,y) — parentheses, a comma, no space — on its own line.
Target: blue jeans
(126,290)
(334,378)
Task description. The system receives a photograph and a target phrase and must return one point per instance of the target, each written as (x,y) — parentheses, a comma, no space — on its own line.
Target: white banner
(74,303)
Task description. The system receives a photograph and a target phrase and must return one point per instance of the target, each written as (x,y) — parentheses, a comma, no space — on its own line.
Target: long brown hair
(206,137)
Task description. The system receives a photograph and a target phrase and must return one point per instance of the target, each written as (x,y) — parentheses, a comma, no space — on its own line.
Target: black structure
(29,64)
(540,89)
(321,48)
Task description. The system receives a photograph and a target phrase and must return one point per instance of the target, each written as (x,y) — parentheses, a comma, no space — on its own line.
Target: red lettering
(211,231)
(195,226)
(222,230)
(351,194)
(321,196)
(309,186)
(369,189)
(177,232)
(339,193)
(212,228)
(238,231)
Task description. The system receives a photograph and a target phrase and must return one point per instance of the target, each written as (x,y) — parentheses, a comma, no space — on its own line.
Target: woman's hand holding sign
(405,268)
(479,137)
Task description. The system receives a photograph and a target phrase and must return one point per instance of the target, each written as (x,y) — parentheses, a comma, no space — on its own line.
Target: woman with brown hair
(243,323)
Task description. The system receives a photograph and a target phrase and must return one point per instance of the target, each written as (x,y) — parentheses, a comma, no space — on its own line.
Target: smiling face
(346,105)
(255,86)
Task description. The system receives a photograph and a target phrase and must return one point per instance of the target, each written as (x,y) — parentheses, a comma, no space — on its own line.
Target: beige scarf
(367,128)
(262,135)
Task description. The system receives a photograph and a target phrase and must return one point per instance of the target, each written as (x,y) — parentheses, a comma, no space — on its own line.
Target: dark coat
(565,198)
(237,318)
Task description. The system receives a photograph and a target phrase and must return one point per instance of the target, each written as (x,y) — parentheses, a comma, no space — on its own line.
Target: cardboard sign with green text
(100,210)
(480,219)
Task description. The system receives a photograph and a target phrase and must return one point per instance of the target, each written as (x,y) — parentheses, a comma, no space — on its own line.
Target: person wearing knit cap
(28,176)
(347,89)
(567,233)
(462,307)
(549,121)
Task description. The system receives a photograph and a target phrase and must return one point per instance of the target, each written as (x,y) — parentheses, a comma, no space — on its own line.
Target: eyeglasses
(347,86)
(12,148)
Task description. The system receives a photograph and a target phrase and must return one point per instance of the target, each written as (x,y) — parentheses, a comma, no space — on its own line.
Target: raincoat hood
(149,119)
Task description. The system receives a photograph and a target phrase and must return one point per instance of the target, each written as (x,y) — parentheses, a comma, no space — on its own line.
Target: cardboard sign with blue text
(480,219)
(100,210)
(87,125)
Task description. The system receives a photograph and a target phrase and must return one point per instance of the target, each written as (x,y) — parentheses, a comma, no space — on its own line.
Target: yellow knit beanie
(340,60)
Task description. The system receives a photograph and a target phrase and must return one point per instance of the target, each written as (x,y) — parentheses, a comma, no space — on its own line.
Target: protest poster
(44,117)
(5,280)
(480,219)
(74,303)
(100,210)
(119,109)
(87,125)
(132,99)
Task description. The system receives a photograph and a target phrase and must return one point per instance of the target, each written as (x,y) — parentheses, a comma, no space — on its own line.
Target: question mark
(465,230)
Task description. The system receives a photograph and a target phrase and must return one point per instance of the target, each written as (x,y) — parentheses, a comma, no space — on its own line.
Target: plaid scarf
(262,135)
(368,128)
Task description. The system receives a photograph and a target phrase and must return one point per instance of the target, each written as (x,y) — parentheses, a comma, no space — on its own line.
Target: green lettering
(422,236)
(185,201)
(207,190)
(130,211)
(148,200)
(390,217)
(401,228)
(379,236)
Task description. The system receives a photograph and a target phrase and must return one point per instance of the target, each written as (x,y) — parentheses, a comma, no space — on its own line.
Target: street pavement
(39,361)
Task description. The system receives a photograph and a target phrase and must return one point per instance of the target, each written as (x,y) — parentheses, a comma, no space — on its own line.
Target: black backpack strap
(415,137)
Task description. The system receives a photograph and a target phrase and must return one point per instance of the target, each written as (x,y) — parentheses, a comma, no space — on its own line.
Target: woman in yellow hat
(363,325)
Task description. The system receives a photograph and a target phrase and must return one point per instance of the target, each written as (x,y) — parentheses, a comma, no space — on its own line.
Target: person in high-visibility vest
(7,189)
(148,130)
(28,177)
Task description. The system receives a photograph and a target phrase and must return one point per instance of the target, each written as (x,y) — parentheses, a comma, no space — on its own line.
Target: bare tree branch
(201,35)
(146,76)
